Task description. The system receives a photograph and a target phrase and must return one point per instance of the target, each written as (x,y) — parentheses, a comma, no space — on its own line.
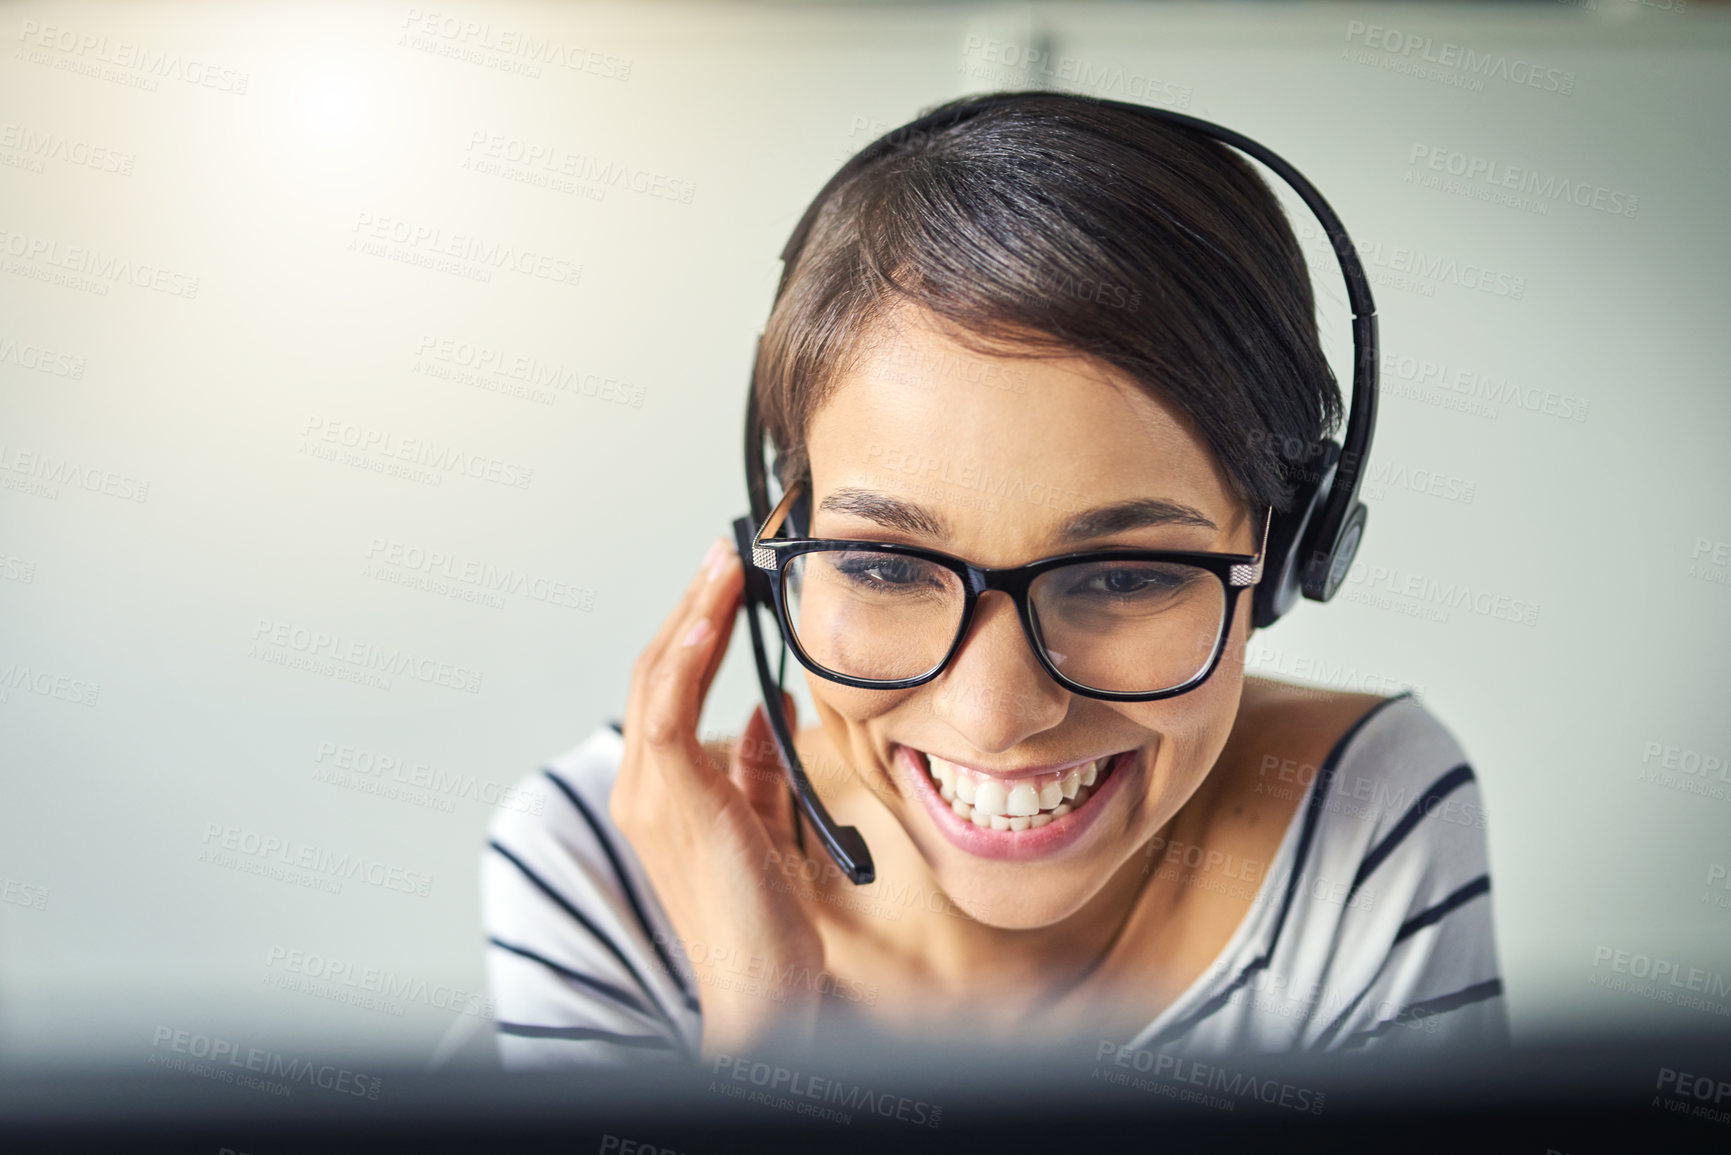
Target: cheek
(1193,730)
(846,715)
(848,706)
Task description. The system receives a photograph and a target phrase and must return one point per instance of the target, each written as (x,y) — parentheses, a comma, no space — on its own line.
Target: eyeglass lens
(1117,626)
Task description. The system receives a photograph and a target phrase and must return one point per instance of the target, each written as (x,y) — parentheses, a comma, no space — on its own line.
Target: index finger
(672,677)
(718,550)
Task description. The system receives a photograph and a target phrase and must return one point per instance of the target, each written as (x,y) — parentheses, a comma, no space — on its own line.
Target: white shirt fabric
(1371,926)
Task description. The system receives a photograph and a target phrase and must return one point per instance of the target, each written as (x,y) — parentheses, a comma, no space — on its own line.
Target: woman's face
(992,459)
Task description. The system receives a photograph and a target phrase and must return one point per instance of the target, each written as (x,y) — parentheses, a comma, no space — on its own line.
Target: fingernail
(717,561)
(715,548)
(698,631)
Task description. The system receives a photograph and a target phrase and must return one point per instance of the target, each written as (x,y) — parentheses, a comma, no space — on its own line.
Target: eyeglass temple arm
(1249,575)
(844,843)
(756,555)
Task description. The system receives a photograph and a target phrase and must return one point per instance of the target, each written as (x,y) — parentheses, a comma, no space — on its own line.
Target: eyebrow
(889,512)
(1101,521)
(1123,516)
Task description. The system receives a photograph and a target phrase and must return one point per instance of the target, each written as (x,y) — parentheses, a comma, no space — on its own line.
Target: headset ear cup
(1282,568)
(1329,566)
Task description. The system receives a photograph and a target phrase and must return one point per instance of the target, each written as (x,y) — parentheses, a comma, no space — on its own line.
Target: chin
(1008,906)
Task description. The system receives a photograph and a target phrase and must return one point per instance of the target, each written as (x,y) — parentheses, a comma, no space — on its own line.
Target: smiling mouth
(1014,804)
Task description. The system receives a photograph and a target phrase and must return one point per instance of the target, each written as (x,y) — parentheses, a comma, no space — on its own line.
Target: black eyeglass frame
(771,554)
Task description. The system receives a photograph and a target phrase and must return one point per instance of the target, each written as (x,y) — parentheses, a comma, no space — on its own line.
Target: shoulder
(1358,745)
(559,819)
(1282,725)
(1387,916)
(1402,822)
(1399,774)
(1282,740)
(1373,773)
(579,949)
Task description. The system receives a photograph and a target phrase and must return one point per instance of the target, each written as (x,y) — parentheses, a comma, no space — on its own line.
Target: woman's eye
(1126,583)
(883,571)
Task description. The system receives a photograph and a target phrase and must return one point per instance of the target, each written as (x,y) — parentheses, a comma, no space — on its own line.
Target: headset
(1309,547)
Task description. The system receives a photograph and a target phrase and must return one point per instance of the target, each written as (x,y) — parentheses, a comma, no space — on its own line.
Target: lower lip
(1014,845)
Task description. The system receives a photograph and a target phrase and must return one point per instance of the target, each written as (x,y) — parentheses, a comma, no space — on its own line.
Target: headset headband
(1327,535)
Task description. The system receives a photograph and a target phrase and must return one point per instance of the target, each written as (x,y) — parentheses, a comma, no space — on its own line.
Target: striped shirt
(1370,927)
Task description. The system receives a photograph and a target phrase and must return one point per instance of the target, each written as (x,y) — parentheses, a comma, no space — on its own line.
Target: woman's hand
(710,840)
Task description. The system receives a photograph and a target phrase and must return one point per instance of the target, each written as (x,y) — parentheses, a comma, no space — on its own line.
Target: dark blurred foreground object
(1570,1098)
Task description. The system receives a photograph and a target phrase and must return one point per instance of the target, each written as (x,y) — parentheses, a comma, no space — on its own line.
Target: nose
(995,693)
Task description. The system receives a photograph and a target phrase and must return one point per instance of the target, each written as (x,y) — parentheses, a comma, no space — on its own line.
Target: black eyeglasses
(1129,625)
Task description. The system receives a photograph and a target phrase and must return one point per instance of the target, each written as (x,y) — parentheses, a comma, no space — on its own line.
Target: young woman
(1055,327)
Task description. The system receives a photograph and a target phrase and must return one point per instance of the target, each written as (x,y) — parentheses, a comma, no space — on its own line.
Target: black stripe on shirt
(600,935)
(1478,886)
(528,1031)
(1334,1028)
(1477,993)
(617,727)
(1409,821)
(617,994)
(625,884)
(1313,809)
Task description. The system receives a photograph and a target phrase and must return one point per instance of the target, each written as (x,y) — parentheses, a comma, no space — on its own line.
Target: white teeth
(944,772)
(992,798)
(965,787)
(1023,801)
(1014,804)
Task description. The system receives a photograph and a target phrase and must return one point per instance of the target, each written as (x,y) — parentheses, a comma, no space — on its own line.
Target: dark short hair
(1068,226)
